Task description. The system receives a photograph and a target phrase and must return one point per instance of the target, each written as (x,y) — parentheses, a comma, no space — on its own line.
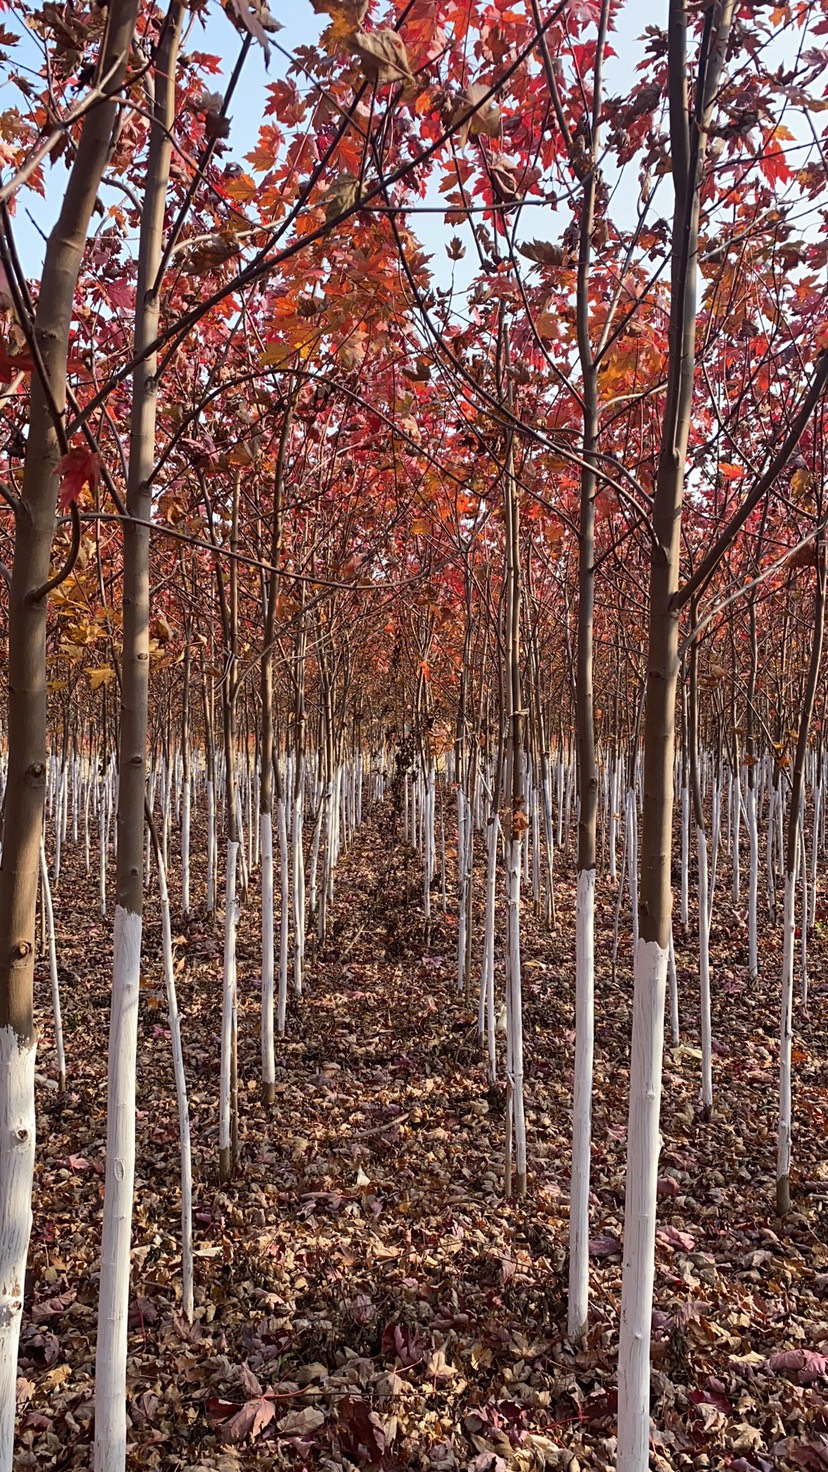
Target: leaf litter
(365,1297)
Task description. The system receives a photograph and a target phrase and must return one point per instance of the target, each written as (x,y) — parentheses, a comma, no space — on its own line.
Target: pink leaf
(77,469)
(807,1362)
(250,1420)
(605,1246)
(672,1237)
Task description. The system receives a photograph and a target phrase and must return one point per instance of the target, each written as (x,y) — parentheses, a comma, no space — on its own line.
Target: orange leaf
(243,189)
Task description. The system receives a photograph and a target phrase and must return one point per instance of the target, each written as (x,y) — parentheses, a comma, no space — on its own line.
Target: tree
(34,521)
(111,1355)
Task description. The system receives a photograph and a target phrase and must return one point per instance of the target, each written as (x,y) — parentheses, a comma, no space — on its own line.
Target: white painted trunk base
(753,883)
(298,894)
(17,1158)
(211,847)
(53,971)
(643,1146)
(284,912)
(266,846)
(228,998)
(517,1122)
(113,1303)
(685,856)
(783,1141)
(582,1105)
(181,1099)
(704,974)
(675,1033)
(185,846)
(486,1010)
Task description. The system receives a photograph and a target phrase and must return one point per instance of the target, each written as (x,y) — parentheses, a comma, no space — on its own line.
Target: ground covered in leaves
(365,1297)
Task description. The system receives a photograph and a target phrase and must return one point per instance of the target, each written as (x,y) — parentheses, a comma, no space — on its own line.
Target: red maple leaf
(77,469)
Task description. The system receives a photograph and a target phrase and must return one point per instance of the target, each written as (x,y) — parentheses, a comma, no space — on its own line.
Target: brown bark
(34,532)
(783,1182)
(132,771)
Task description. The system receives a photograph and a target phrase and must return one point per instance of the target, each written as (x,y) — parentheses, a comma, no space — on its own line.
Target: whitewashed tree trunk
(486,1012)
(76,785)
(252,828)
(315,908)
(428,840)
(570,797)
(113,1304)
(86,800)
(186,809)
(643,1145)
(53,971)
(515,1014)
(716,833)
(166,806)
(268,1053)
(536,800)
(17,1159)
(685,855)
(228,1011)
(443,889)
(245,874)
(704,975)
(461,888)
(753,882)
(284,911)
(181,1100)
(803,943)
(582,1105)
(614,795)
(211,847)
(783,1142)
(675,1034)
(152,784)
(298,889)
(103,835)
(58,825)
(549,832)
(771,840)
(735,819)
(815,848)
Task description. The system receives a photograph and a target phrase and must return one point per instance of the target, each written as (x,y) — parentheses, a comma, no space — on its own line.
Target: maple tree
(302,520)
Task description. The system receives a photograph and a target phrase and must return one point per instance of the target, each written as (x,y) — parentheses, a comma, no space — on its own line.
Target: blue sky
(300,26)
(217,37)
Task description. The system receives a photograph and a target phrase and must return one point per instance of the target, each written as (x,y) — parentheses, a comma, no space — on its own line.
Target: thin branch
(708,564)
(761,577)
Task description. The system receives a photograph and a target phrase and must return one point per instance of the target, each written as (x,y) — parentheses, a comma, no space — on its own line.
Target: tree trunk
(587,773)
(186,786)
(783,1148)
(704,889)
(228,1075)
(689,146)
(516,1125)
(267,776)
(26,770)
(111,1353)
